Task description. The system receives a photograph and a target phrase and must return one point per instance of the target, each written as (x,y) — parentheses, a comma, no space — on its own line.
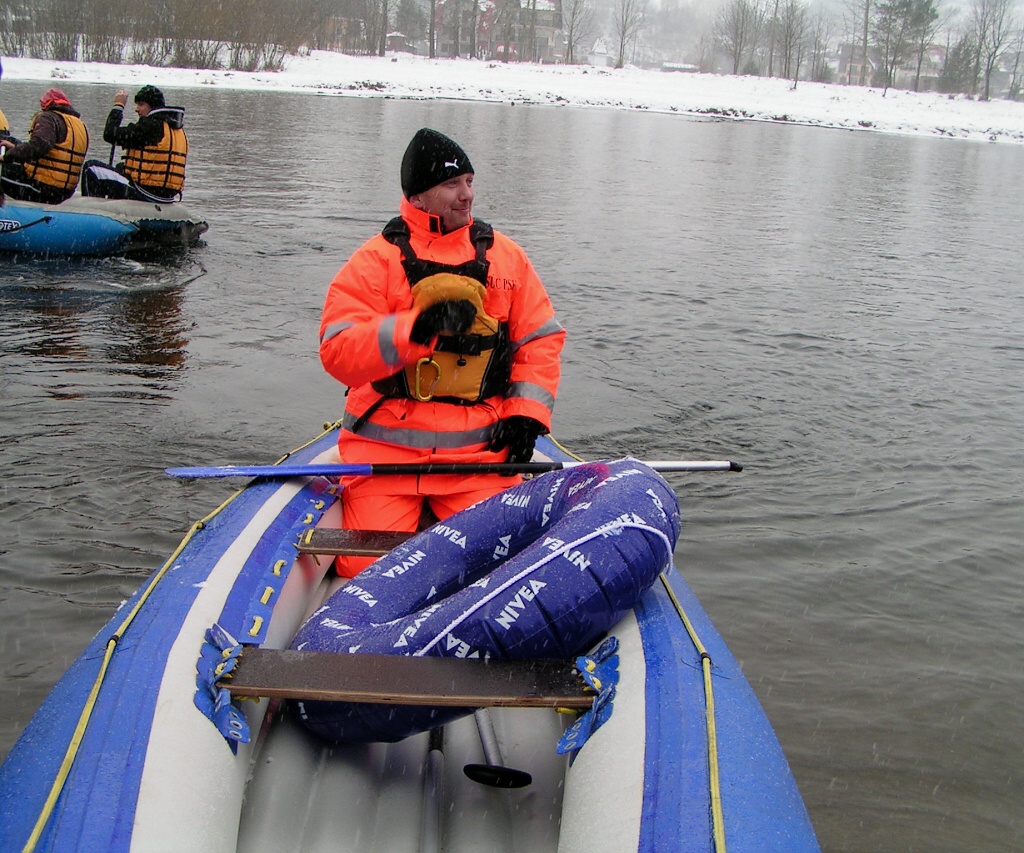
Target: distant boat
(95,227)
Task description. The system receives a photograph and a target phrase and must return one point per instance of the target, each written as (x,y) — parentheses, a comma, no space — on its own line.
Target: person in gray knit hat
(447,342)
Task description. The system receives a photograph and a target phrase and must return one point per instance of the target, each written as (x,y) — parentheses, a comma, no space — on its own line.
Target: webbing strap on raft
(714,781)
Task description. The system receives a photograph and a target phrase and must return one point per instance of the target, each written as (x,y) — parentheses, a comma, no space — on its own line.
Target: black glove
(518,433)
(453,316)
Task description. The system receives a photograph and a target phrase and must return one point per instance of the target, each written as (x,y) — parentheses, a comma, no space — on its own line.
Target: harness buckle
(417,392)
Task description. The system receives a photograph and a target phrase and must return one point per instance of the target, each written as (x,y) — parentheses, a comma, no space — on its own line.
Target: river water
(840,312)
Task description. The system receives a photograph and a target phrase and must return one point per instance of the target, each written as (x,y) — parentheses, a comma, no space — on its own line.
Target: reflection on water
(156,336)
(112,315)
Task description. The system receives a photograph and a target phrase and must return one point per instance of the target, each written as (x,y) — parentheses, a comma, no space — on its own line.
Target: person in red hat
(448,344)
(47,167)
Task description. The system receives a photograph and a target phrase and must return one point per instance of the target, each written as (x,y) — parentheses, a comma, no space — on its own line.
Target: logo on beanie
(452,164)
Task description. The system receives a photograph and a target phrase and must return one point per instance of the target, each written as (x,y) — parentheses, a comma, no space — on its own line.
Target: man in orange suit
(449,346)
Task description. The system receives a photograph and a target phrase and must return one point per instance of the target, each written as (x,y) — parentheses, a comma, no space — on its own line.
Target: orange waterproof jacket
(364,337)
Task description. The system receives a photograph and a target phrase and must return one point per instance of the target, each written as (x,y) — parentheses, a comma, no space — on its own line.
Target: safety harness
(464,369)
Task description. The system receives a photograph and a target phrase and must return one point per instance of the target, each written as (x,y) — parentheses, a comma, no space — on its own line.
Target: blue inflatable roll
(542,570)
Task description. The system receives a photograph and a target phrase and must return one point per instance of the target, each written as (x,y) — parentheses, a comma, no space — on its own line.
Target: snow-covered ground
(407,76)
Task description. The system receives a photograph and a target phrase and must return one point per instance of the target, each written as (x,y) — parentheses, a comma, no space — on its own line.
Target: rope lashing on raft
(9,226)
(85,717)
(714,778)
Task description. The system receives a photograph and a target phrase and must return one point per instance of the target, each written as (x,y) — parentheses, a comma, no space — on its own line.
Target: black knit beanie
(430,159)
(150,95)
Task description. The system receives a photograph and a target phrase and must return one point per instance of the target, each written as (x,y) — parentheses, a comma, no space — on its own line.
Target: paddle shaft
(433,794)
(494,773)
(507,469)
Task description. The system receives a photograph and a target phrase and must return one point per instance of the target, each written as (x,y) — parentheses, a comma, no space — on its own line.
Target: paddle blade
(497,777)
(278,471)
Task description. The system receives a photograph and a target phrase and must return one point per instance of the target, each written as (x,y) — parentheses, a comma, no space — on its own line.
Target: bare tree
(505,22)
(1018,47)
(737,30)
(62,22)
(821,38)
(993,29)
(411,19)
(385,26)
(578,20)
(472,28)
(453,12)
(890,31)
(706,52)
(530,51)
(627,22)
(793,32)
(771,35)
(432,30)
(926,27)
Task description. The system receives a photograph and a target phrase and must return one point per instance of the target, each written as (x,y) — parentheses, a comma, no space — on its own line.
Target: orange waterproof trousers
(401,512)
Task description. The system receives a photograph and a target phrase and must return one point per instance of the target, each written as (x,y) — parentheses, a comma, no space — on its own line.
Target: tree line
(794,39)
(246,35)
(882,38)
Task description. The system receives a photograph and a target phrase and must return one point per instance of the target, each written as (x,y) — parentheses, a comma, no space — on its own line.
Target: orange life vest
(463,368)
(61,166)
(160,166)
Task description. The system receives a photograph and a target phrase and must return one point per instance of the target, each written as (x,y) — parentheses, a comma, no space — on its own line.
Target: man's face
(142,108)
(451,200)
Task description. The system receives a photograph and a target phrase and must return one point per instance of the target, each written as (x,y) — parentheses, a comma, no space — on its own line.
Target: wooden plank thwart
(351,543)
(399,680)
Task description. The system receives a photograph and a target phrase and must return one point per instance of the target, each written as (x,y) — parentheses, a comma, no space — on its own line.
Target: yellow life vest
(4,126)
(61,166)
(160,166)
(461,366)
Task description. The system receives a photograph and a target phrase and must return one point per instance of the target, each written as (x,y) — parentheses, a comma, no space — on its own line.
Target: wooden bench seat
(332,542)
(330,677)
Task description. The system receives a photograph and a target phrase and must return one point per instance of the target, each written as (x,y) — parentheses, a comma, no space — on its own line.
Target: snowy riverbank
(408,76)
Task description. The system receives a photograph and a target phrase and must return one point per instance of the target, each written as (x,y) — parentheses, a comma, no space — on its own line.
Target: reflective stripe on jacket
(61,166)
(160,166)
(364,337)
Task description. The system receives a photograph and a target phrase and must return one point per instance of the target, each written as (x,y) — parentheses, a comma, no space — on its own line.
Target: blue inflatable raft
(129,752)
(94,227)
